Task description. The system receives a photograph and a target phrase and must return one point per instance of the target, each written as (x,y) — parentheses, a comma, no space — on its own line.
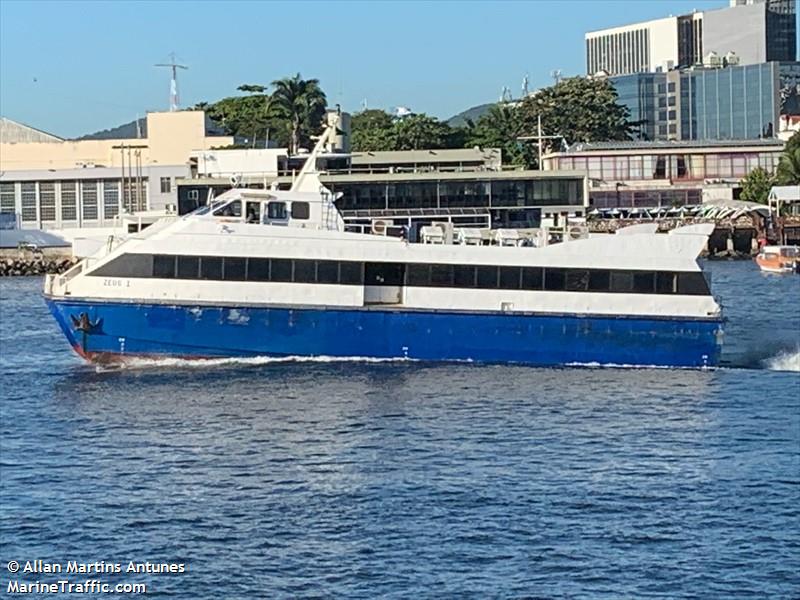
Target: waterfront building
(656,174)
(726,103)
(755,32)
(467,187)
(54,183)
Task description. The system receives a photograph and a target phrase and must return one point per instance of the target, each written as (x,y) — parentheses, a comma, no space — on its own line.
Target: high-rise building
(735,102)
(755,31)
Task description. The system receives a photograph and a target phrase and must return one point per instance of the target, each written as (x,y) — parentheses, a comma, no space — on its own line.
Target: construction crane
(173,88)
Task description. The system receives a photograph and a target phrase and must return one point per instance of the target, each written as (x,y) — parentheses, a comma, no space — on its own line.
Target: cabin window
(418,275)
(253,213)
(599,281)
(277,211)
(665,283)
(164,266)
(281,270)
(232,209)
(464,276)
(532,278)
(554,280)
(127,265)
(621,281)
(258,269)
(188,267)
(692,284)
(383,274)
(577,280)
(351,273)
(234,269)
(487,277)
(211,268)
(442,275)
(510,278)
(644,283)
(305,271)
(327,271)
(301,211)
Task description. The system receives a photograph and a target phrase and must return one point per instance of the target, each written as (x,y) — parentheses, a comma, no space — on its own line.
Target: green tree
(756,186)
(301,104)
(499,128)
(372,131)
(419,132)
(788,172)
(579,109)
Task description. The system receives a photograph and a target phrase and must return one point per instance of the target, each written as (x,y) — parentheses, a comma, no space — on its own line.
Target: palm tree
(788,172)
(302,103)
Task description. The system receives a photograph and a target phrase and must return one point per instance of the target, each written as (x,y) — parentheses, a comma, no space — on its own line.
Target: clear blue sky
(76,67)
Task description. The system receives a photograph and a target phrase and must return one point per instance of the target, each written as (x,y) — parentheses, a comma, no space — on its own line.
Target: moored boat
(779,259)
(273,273)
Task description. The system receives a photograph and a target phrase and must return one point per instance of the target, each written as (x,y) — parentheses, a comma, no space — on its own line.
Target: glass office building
(741,102)
(730,103)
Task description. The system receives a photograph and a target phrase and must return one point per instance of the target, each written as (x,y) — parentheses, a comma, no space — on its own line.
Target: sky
(71,68)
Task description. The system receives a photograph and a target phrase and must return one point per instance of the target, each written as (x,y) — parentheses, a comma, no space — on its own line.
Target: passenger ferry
(274,273)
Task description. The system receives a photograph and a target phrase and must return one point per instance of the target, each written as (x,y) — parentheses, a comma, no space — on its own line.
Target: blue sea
(314,479)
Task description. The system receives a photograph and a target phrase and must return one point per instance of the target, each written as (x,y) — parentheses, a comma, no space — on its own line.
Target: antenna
(525,81)
(556,75)
(173,87)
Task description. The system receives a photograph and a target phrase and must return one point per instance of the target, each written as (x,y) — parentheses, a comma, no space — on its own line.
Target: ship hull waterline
(108,332)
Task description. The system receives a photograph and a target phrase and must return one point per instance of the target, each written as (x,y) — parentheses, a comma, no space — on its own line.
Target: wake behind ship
(273,273)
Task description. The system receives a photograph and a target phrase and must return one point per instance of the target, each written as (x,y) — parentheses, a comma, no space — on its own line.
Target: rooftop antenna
(173,87)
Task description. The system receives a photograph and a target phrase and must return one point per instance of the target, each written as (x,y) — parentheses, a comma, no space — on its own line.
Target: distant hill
(128,131)
(474,113)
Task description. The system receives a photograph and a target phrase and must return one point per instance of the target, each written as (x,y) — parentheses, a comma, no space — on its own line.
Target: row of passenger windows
(286,270)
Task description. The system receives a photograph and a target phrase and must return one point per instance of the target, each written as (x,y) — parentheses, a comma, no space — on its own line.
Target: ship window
(232,209)
(621,281)
(276,210)
(643,283)
(164,266)
(577,280)
(532,278)
(665,283)
(509,278)
(234,268)
(258,269)
(211,268)
(188,267)
(327,271)
(305,271)
(351,273)
(692,284)
(127,265)
(554,280)
(464,276)
(599,281)
(300,210)
(281,270)
(418,275)
(442,275)
(487,277)
(383,274)
(253,212)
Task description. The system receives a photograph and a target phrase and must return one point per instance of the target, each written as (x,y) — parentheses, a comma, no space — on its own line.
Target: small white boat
(779,259)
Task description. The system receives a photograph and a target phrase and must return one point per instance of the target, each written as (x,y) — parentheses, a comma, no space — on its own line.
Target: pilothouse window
(300,211)
(276,210)
(232,209)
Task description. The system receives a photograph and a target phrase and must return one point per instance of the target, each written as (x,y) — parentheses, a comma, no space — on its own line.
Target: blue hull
(114,330)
